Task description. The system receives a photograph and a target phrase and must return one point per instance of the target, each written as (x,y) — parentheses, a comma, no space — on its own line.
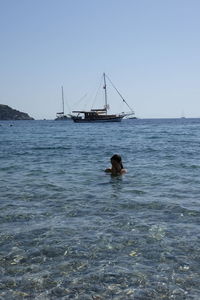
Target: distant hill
(7,113)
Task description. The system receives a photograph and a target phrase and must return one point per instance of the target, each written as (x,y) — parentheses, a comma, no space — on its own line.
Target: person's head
(116,161)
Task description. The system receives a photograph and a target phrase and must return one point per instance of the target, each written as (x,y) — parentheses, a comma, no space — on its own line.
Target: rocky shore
(8,113)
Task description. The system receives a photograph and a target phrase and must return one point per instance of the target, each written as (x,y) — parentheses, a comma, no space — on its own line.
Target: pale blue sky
(149,48)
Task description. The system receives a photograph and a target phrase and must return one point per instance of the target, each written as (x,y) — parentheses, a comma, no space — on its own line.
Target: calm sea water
(70,231)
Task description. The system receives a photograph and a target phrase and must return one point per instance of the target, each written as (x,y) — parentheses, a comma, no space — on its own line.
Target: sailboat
(183,115)
(99,115)
(60,116)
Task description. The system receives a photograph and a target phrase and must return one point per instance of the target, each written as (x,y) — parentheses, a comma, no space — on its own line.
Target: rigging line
(81,99)
(69,107)
(95,98)
(120,95)
(65,102)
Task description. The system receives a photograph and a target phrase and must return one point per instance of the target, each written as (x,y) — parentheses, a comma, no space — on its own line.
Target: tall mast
(105,90)
(63,100)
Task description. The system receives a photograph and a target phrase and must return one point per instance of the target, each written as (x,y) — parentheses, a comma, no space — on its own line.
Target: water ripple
(70,231)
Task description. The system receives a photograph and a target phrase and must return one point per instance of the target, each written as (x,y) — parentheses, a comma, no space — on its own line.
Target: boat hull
(103,120)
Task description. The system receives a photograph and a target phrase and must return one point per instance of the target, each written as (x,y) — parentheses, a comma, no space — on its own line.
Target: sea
(68,230)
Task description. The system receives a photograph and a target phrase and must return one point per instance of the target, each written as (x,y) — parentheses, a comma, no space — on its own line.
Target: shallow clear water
(70,231)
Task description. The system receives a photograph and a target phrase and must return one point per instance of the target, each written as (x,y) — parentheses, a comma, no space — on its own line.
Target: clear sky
(149,48)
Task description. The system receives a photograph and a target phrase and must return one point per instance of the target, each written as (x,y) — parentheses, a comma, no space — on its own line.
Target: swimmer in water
(117,166)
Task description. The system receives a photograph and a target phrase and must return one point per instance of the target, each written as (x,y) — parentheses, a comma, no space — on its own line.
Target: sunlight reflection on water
(70,231)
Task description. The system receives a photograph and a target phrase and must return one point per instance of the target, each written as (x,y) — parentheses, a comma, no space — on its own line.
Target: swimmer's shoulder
(123,171)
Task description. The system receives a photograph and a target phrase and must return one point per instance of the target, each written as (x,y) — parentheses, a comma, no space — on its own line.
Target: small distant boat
(60,116)
(130,118)
(100,115)
(183,115)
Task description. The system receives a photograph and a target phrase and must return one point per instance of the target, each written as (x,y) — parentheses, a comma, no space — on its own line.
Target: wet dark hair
(118,159)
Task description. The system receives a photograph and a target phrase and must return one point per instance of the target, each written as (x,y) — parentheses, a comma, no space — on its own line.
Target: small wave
(138,205)
(16,218)
(51,148)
